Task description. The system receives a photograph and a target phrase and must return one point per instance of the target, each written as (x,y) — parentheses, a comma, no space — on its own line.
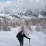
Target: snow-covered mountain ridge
(14,8)
(12,14)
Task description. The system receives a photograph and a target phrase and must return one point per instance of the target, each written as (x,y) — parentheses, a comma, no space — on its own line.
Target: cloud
(31,4)
(24,4)
(20,2)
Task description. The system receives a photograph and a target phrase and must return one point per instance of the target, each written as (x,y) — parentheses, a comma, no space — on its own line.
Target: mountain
(13,9)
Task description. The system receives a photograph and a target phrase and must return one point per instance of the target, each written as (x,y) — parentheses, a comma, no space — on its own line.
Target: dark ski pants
(21,43)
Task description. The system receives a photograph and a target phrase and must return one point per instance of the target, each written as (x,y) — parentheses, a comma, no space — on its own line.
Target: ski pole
(29,42)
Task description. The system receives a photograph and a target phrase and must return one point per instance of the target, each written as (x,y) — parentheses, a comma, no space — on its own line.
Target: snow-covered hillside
(28,14)
(14,8)
(8,38)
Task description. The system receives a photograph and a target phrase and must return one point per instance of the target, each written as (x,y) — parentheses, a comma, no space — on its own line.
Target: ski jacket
(20,37)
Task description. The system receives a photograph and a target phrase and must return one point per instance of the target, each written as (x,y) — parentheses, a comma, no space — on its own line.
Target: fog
(31,4)
(23,4)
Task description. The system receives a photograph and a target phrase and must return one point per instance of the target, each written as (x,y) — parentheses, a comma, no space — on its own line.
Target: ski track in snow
(8,38)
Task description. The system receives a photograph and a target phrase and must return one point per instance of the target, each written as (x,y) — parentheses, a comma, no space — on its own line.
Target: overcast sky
(28,4)
(32,4)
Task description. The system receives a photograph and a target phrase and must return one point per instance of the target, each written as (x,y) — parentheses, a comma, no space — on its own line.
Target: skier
(20,37)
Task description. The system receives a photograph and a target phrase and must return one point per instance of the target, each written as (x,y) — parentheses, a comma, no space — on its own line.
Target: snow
(8,38)
(41,16)
(26,17)
(2,14)
(7,16)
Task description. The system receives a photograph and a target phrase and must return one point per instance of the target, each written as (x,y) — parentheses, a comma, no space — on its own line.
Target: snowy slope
(9,38)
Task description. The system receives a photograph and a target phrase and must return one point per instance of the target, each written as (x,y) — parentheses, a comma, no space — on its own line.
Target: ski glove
(29,38)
